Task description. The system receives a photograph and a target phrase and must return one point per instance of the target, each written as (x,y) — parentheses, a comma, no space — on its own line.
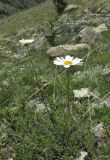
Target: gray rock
(105,102)
(83,155)
(82,93)
(99,130)
(106,72)
(101,28)
(71,7)
(40,108)
(102,104)
(89,35)
(63,50)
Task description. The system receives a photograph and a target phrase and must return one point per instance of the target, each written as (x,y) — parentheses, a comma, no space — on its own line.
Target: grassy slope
(9,7)
(33,17)
(35,136)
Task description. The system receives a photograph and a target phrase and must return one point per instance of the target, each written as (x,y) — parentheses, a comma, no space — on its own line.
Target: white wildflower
(67,61)
(26,41)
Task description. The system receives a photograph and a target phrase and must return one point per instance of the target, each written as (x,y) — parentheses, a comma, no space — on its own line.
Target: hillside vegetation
(29,18)
(41,116)
(8,7)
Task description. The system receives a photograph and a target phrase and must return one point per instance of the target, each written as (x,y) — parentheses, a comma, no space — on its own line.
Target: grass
(51,135)
(33,17)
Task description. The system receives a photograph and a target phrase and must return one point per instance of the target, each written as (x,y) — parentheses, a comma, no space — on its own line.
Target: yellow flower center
(68,62)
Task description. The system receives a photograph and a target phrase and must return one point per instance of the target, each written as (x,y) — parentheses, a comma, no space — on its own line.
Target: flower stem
(35,74)
(67,115)
(68,87)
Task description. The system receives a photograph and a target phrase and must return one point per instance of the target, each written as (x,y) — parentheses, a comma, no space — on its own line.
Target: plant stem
(35,74)
(66,118)
(68,87)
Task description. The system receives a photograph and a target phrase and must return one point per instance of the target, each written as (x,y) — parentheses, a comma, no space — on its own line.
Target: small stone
(83,155)
(106,72)
(99,130)
(71,7)
(40,108)
(82,93)
(89,35)
(100,28)
(106,102)
(102,104)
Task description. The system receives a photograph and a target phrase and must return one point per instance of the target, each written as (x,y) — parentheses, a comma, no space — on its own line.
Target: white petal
(58,62)
(68,58)
(66,66)
(61,59)
(77,61)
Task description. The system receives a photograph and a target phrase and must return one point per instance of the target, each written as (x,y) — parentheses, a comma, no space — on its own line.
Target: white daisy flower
(26,41)
(67,61)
